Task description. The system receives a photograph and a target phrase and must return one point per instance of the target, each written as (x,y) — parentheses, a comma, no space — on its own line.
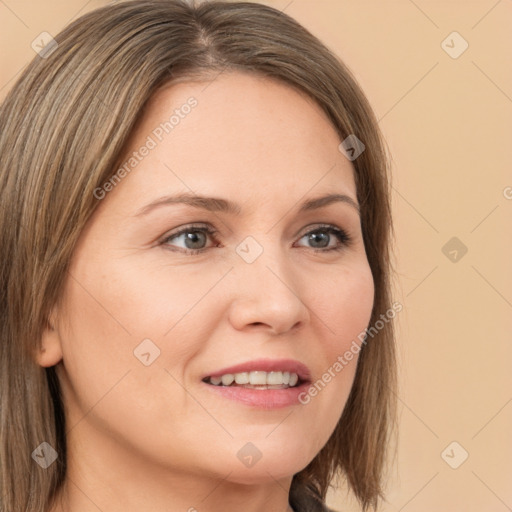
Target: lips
(266,396)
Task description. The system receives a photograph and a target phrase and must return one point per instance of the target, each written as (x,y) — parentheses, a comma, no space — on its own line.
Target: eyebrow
(215,204)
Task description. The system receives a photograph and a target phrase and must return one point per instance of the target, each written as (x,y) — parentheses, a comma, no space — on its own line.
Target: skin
(155,437)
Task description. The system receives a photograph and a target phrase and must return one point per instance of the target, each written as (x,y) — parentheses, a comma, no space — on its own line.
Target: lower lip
(261,398)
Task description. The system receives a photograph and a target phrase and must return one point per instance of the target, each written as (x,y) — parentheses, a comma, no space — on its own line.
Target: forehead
(240,135)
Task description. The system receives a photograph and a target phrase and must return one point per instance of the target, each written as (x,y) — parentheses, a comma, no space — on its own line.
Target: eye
(194,238)
(322,235)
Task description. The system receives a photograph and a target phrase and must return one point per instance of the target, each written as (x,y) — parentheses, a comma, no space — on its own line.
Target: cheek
(345,304)
(113,307)
(342,311)
(96,342)
(354,298)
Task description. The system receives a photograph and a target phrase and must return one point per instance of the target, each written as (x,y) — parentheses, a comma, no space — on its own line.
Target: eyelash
(344,238)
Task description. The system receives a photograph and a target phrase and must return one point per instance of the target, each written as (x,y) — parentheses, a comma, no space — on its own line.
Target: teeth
(275,378)
(257,378)
(216,380)
(242,378)
(228,379)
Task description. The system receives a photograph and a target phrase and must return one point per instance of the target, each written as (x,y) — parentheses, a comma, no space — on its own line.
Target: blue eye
(323,235)
(195,237)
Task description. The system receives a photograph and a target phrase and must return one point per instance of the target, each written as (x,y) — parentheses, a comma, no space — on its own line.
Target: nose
(267,295)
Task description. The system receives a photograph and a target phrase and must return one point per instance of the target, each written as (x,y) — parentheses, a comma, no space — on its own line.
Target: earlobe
(49,352)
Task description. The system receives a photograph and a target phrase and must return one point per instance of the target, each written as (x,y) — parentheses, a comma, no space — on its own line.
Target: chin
(262,473)
(270,464)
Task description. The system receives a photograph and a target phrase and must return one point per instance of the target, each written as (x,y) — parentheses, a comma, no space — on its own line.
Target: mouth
(261,384)
(257,379)
(261,374)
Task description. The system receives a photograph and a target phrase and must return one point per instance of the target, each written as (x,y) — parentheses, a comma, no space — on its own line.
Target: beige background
(448,123)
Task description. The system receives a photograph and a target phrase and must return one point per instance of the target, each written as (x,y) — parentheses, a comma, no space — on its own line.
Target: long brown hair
(63,127)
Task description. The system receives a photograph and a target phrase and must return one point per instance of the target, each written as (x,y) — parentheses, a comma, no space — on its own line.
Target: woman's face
(154,304)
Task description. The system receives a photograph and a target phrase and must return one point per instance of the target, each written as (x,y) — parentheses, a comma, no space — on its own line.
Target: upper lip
(266,365)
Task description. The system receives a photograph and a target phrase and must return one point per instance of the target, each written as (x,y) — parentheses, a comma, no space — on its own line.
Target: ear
(49,352)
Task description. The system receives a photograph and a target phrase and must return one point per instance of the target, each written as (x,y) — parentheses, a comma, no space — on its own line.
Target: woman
(195,255)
